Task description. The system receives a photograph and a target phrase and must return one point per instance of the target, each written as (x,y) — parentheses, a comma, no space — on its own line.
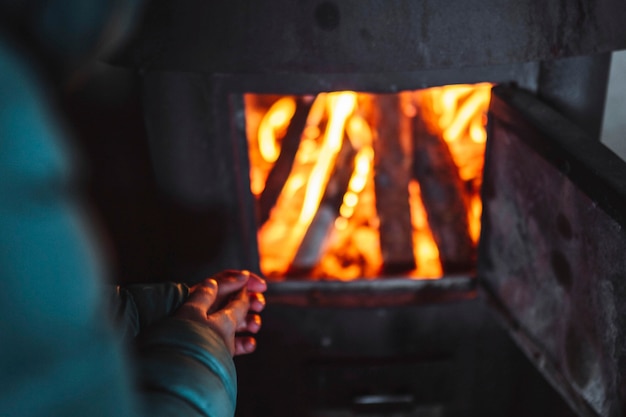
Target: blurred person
(59,352)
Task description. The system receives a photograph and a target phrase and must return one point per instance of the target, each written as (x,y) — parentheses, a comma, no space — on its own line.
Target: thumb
(201,300)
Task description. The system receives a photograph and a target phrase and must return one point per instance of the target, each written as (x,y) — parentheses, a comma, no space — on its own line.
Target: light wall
(614,125)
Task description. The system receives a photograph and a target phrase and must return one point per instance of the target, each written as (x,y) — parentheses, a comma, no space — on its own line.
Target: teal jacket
(59,352)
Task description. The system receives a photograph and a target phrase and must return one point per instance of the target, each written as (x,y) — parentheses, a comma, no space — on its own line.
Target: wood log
(443,198)
(282,167)
(313,244)
(392,173)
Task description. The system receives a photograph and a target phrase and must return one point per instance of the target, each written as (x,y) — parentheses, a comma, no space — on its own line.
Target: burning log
(392,173)
(443,198)
(280,171)
(315,240)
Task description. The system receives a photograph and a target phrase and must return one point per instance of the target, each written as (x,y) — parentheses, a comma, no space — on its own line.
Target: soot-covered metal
(325,36)
(552,247)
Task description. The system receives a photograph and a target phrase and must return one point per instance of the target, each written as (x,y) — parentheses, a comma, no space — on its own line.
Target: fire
(460,113)
(424,246)
(341,106)
(363,166)
(324,224)
(275,120)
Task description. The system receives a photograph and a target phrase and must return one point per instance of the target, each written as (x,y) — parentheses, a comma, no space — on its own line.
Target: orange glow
(475,210)
(464,115)
(350,240)
(341,106)
(362,167)
(276,119)
(459,112)
(424,246)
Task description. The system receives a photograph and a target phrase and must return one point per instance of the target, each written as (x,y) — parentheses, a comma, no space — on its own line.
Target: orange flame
(352,248)
(459,111)
(276,119)
(341,106)
(424,246)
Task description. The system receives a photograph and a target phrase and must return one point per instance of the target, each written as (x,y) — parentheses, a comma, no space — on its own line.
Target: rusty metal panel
(369,36)
(552,250)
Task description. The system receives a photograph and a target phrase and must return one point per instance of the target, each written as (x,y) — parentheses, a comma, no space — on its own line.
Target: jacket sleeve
(181,365)
(183,368)
(136,307)
(184,365)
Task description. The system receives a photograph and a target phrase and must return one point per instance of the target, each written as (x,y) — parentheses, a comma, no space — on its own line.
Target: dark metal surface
(524,74)
(199,152)
(322,36)
(392,291)
(552,248)
(447,359)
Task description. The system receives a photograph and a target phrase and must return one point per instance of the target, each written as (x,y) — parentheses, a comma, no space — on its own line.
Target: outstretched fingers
(254,282)
(257,302)
(244,340)
(244,345)
(253,323)
(230,281)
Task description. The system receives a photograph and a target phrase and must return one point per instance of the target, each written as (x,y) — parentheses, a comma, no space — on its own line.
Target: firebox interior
(360,185)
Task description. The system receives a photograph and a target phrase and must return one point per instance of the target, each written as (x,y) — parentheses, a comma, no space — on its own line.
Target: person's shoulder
(31,138)
(19,79)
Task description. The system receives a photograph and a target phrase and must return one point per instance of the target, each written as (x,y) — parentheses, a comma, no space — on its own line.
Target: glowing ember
(324,223)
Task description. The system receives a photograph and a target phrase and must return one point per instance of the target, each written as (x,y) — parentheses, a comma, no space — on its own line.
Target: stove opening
(361,186)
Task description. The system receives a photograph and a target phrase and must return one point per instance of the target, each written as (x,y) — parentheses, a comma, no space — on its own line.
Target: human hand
(223,303)
(231,281)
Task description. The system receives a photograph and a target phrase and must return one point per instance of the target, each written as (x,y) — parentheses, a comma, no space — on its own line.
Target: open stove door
(552,256)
